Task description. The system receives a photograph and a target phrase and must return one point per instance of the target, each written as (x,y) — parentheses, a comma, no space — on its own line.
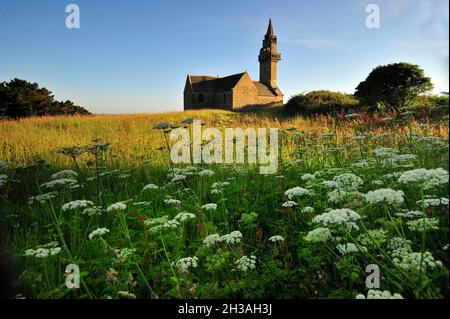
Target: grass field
(349,192)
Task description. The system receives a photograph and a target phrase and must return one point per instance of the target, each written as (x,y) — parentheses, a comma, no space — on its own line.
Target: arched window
(201,98)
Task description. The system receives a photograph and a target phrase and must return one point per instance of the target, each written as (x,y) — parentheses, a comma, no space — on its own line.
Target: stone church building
(238,90)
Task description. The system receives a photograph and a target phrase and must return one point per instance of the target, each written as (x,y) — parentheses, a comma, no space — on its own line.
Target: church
(238,91)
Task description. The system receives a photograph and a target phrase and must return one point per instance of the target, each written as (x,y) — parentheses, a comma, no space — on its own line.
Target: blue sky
(133,56)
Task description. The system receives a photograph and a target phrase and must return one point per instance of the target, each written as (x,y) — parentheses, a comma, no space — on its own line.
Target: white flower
(348,182)
(172,201)
(412,261)
(423,224)
(184,216)
(211,240)
(307,177)
(377,182)
(121,255)
(43,251)
(349,248)
(429,178)
(378,294)
(77,204)
(116,207)
(210,206)
(246,263)
(276,238)
(92,211)
(187,262)
(296,192)
(178,178)
(98,232)
(307,210)
(342,216)
(156,221)
(319,234)
(206,172)
(150,187)
(232,238)
(330,184)
(65,174)
(42,198)
(384,152)
(434,202)
(289,203)
(390,196)
(62,182)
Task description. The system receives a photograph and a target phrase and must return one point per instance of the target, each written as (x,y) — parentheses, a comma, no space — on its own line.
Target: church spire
(270,29)
(268,58)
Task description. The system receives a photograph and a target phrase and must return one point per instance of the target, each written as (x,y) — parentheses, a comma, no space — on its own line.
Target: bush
(320,102)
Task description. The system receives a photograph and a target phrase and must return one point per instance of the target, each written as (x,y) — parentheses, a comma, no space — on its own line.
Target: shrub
(320,102)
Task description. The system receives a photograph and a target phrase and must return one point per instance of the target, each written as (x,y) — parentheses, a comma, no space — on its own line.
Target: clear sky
(132,56)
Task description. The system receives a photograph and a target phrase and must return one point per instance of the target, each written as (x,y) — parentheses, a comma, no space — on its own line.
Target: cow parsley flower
(206,172)
(246,263)
(378,294)
(98,232)
(92,211)
(77,204)
(319,234)
(429,178)
(232,238)
(43,251)
(42,198)
(349,248)
(150,187)
(289,204)
(414,261)
(186,263)
(116,207)
(183,216)
(178,178)
(210,206)
(276,238)
(384,152)
(211,240)
(342,216)
(65,174)
(423,224)
(385,195)
(61,182)
(307,177)
(296,192)
(307,210)
(436,202)
(171,201)
(121,255)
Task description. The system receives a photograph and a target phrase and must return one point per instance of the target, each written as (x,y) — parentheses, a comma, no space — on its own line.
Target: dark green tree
(19,98)
(393,86)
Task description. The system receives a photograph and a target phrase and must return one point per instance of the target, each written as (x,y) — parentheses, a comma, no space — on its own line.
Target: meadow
(353,193)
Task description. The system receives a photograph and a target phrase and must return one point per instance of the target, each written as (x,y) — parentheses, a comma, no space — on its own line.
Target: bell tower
(268,58)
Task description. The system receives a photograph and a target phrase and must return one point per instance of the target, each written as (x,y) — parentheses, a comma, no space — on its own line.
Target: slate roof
(213,84)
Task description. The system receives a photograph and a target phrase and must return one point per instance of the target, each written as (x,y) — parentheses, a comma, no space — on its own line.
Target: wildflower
(307,210)
(116,207)
(424,224)
(319,234)
(429,178)
(246,263)
(232,238)
(187,262)
(385,195)
(206,172)
(289,204)
(178,178)
(210,206)
(348,248)
(42,198)
(276,238)
(150,187)
(126,294)
(121,255)
(377,182)
(378,294)
(61,182)
(184,216)
(428,202)
(343,216)
(65,174)
(384,151)
(296,192)
(77,204)
(98,232)
(307,177)
(414,261)
(171,201)
(92,211)
(373,238)
(43,251)
(211,240)
(249,219)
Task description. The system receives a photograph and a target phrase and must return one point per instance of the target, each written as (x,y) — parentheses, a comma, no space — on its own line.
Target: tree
(19,98)
(393,86)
